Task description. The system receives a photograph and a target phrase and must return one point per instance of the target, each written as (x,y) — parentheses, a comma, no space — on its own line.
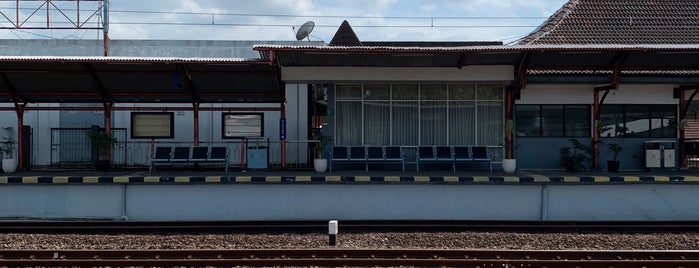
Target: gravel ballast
(380,240)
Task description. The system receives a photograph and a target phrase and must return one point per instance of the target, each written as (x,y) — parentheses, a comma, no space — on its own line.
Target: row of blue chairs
(367,154)
(188,154)
(453,155)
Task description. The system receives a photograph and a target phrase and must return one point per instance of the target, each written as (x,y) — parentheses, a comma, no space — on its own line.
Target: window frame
(223,126)
(564,123)
(171,119)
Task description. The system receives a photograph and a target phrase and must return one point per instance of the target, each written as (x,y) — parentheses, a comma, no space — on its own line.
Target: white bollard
(332,232)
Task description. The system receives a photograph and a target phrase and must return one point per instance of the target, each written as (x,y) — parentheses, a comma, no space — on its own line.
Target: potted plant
(616,148)
(509,164)
(101,143)
(572,158)
(9,162)
(320,163)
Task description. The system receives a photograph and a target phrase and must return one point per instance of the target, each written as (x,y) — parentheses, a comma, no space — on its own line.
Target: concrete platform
(59,176)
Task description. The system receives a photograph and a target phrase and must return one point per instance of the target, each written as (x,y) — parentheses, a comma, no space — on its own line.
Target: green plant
(620,133)
(323,140)
(8,142)
(572,158)
(101,141)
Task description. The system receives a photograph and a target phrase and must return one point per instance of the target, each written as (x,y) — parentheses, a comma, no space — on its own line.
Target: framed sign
(242,125)
(158,125)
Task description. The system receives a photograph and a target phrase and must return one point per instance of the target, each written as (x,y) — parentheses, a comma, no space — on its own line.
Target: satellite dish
(305,30)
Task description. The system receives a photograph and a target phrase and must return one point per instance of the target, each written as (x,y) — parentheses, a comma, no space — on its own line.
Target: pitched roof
(345,36)
(620,22)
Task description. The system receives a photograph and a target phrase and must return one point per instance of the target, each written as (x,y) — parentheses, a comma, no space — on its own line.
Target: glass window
(577,120)
(348,92)
(377,92)
(410,115)
(662,121)
(490,92)
(433,92)
(462,92)
(552,121)
(405,92)
(641,121)
(376,114)
(405,123)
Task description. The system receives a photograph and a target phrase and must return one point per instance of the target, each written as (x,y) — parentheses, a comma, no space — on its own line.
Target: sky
(372,20)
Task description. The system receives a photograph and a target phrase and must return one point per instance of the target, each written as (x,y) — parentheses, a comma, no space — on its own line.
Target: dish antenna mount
(305,31)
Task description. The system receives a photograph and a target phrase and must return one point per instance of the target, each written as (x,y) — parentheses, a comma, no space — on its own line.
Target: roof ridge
(551,23)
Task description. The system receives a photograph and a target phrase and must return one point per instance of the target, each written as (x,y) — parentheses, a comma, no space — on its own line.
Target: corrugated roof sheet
(129,59)
(620,22)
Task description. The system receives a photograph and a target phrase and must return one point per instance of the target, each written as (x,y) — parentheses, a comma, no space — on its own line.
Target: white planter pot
(9,165)
(320,165)
(509,165)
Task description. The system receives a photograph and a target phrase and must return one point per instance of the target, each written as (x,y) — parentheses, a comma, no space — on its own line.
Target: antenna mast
(59,15)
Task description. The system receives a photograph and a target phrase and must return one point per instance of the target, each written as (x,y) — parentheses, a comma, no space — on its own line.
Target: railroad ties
(349,257)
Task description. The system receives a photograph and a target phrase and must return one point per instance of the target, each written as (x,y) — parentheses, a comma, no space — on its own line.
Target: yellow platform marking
(451,179)
(362,178)
(421,178)
(213,179)
(571,179)
(303,178)
(511,179)
(243,179)
(183,179)
(32,179)
(539,178)
(273,179)
(691,178)
(662,178)
(391,179)
(632,179)
(60,179)
(3,179)
(91,179)
(151,179)
(481,179)
(333,178)
(601,179)
(121,179)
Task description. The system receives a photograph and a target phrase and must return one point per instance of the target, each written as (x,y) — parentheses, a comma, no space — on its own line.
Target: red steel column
(196,124)
(595,134)
(20,123)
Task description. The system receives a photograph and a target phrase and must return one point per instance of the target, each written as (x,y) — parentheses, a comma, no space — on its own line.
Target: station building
(593,67)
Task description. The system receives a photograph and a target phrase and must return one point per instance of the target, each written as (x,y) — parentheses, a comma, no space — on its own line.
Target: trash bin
(659,154)
(257,157)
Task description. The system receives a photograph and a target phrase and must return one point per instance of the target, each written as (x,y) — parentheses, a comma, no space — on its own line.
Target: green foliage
(100,140)
(8,142)
(572,158)
(616,147)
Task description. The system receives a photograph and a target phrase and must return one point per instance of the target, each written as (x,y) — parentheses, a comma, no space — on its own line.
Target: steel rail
(349,257)
(29,226)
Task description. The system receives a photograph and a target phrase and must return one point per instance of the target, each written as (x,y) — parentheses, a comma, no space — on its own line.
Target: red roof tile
(620,22)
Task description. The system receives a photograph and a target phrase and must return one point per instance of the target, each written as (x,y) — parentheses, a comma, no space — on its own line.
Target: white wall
(584,94)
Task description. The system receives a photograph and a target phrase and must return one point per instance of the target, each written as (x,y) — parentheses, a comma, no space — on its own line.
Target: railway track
(40,226)
(348,257)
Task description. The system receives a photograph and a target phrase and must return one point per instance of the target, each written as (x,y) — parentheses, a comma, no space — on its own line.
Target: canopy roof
(532,57)
(47,79)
